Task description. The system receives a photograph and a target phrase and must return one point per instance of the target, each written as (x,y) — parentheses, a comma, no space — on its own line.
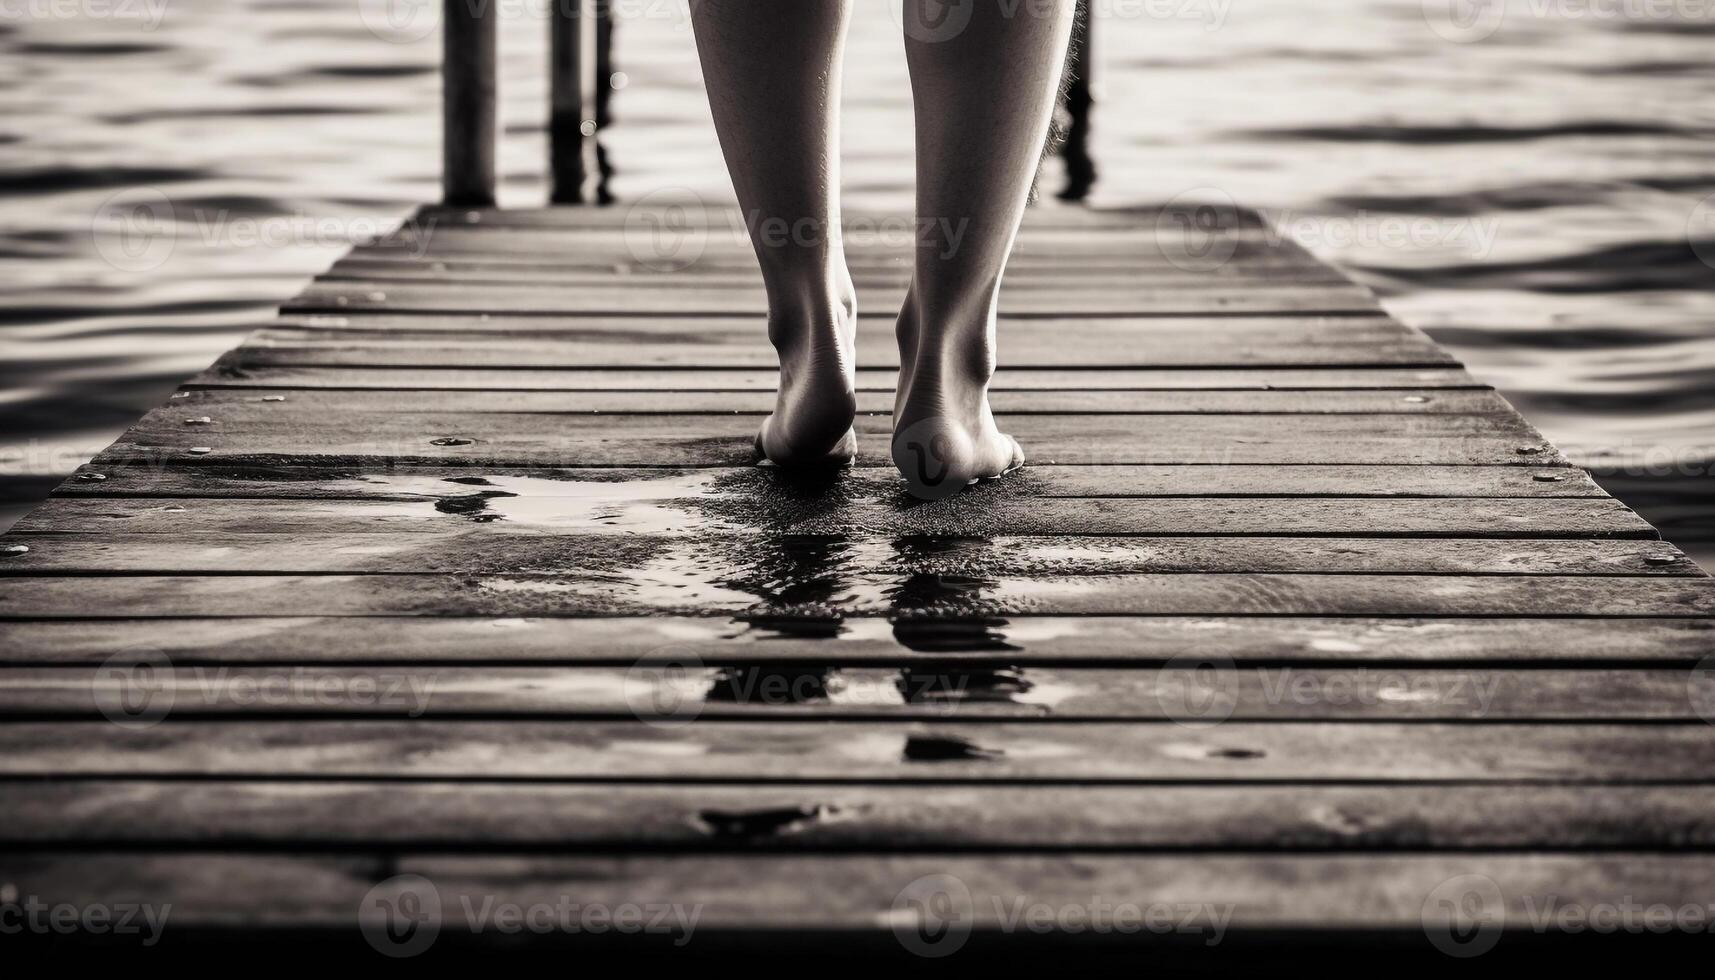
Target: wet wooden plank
(417,482)
(607,511)
(526,299)
(817,904)
(1218,218)
(701,342)
(504,439)
(229,373)
(765,817)
(867,563)
(1191,694)
(945,751)
(1144,641)
(715,585)
(224,404)
(880,284)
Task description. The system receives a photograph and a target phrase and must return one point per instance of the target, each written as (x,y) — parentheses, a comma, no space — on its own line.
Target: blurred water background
(1533,182)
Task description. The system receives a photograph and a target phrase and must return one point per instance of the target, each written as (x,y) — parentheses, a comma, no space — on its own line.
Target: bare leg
(983,92)
(772,68)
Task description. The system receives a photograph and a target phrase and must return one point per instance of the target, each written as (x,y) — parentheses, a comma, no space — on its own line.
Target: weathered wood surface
(915,693)
(667,513)
(1191,749)
(569,555)
(465,552)
(829,901)
(865,641)
(857,816)
(287,481)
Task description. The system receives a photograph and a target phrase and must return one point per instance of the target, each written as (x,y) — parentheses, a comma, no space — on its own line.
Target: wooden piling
(470,112)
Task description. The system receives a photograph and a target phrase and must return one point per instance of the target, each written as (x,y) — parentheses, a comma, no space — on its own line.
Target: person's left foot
(817,400)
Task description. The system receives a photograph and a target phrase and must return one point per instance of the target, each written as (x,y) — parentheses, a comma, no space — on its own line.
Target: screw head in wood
(451,441)
(90,476)
(1548,477)
(1661,560)
(14,550)
(200,450)
(199,420)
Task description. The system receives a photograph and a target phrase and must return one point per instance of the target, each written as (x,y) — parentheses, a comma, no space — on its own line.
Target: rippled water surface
(1535,189)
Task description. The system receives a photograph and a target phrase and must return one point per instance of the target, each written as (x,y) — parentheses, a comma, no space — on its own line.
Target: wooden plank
(413,483)
(665,511)
(696,212)
(945,751)
(1195,695)
(521,299)
(689,342)
(872,281)
(714,585)
(868,563)
(864,642)
(223,404)
(817,904)
(517,439)
(763,817)
(228,373)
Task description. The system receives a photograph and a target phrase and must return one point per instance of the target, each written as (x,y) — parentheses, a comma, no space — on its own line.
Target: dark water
(1537,190)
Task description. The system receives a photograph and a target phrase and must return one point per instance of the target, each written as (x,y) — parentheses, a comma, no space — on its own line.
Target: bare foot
(944,434)
(813,411)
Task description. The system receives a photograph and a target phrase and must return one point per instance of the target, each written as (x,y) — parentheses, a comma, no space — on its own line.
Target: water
(1536,191)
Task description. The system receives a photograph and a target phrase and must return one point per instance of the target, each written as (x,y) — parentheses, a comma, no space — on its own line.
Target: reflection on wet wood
(465,552)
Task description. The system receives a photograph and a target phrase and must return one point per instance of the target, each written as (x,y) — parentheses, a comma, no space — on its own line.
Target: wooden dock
(461,569)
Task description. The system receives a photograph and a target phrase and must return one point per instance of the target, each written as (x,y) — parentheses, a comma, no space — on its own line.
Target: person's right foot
(944,433)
